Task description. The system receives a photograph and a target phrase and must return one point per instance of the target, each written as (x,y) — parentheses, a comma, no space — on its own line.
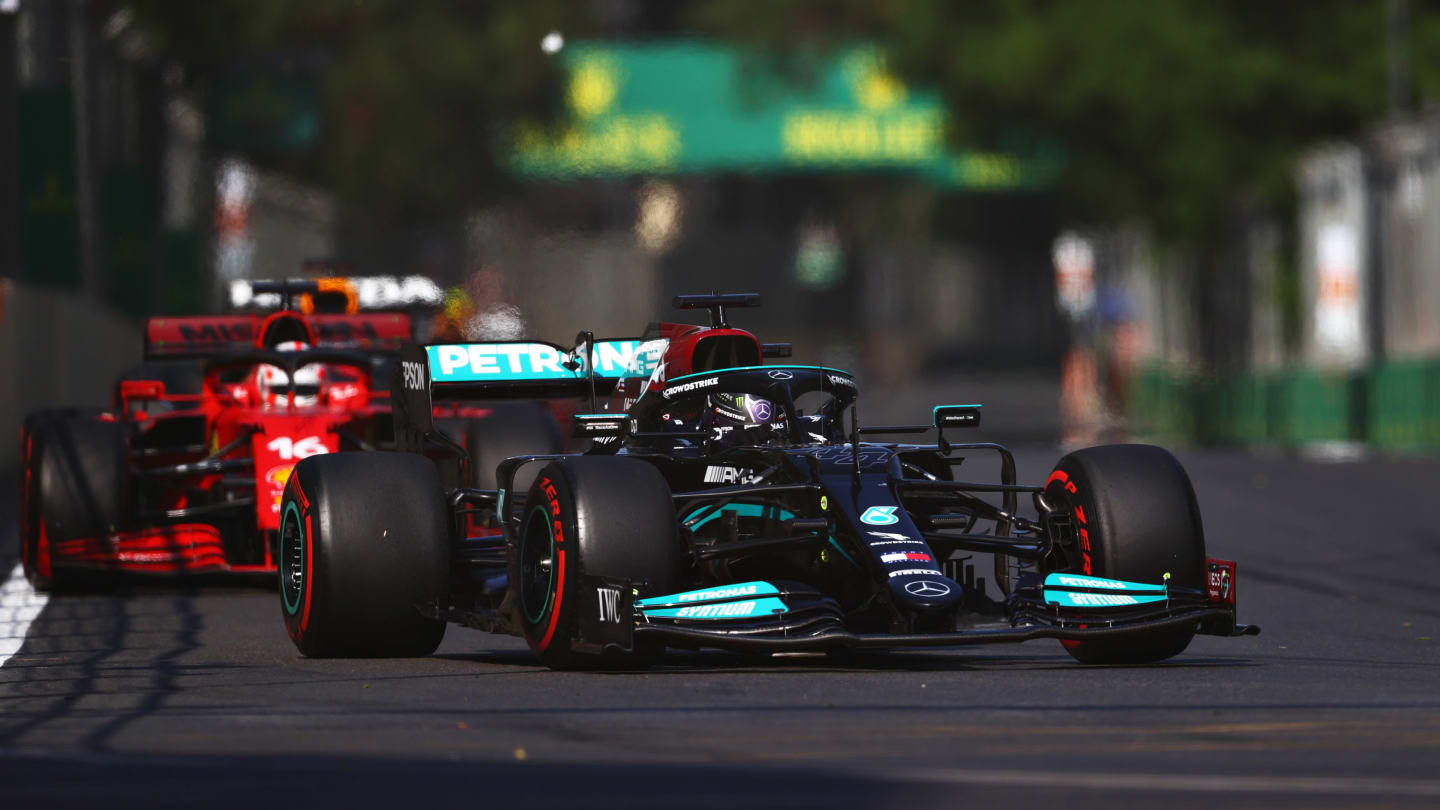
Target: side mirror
(956,416)
(141,389)
(600,425)
(132,391)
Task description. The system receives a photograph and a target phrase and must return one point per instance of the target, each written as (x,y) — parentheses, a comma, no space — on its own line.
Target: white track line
(19,605)
(1173,783)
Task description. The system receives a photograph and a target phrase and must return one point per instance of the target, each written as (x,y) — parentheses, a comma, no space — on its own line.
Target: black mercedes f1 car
(727,503)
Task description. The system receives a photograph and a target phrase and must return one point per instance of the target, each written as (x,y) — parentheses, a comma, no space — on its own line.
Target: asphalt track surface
(191,695)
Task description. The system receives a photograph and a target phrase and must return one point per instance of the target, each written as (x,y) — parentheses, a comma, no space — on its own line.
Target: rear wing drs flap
(208,335)
(517,369)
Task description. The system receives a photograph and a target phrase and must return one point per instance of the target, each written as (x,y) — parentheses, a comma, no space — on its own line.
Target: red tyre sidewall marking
(42,562)
(309,517)
(310,554)
(552,496)
(1060,476)
(309,569)
(42,551)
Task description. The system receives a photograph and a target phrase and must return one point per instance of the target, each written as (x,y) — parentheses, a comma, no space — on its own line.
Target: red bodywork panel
(276,445)
(688,345)
(690,348)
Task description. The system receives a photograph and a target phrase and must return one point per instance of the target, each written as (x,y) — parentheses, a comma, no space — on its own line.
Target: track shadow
(353,782)
(81,647)
(365,782)
(685,662)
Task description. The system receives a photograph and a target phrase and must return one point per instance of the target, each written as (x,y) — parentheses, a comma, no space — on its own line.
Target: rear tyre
(364,542)
(590,516)
(1137,519)
(74,485)
(512,429)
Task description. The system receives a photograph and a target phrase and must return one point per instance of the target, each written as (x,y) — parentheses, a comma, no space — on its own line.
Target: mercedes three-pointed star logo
(926,587)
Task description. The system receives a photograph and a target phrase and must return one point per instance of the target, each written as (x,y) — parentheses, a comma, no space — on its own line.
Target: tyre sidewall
(551,504)
(74,484)
(1135,509)
(602,516)
(369,533)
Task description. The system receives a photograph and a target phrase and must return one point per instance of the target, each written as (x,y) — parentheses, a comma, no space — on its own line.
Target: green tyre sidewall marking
(286,586)
(550,587)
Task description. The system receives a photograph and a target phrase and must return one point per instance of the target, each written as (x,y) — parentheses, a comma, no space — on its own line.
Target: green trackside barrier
(1403,412)
(1233,410)
(1162,404)
(1316,407)
(1395,406)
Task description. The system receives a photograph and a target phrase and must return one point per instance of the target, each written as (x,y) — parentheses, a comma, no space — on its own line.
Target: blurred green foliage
(414,95)
(1174,112)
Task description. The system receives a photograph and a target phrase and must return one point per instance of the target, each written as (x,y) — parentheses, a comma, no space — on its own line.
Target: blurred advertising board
(1334,266)
(690,107)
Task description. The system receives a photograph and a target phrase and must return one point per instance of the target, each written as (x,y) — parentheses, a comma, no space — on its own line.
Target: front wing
(745,618)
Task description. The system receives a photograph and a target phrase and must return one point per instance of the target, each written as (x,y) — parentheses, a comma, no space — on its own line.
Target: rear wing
(516,369)
(209,335)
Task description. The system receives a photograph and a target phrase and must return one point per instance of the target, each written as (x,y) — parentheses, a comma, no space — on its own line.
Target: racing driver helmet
(736,419)
(272,384)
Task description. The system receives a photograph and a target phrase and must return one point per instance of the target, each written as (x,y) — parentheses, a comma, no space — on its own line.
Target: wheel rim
(292,559)
(537,568)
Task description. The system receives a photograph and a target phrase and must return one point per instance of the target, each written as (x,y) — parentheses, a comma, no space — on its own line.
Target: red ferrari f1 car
(184,473)
(171,481)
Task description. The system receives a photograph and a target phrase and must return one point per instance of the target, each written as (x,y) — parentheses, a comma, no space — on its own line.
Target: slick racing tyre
(74,484)
(595,516)
(1136,519)
(512,429)
(364,541)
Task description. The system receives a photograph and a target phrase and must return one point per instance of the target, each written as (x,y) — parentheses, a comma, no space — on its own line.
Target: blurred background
(1208,222)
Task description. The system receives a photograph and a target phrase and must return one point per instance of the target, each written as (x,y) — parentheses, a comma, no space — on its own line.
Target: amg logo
(719,474)
(609,604)
(414,375)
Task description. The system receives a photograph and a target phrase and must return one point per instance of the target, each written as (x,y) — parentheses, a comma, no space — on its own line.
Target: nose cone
(928,592)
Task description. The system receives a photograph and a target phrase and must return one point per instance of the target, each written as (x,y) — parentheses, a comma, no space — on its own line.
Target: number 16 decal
(286,448)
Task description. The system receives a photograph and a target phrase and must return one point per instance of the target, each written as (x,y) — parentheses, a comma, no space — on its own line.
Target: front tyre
(74,484)
(364,541)
(590,516)
(1136,519)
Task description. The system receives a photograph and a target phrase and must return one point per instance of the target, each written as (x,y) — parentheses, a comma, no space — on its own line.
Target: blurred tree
(1171,111)
(414,97)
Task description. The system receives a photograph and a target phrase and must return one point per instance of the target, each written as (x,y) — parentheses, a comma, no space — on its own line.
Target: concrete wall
(56,350)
